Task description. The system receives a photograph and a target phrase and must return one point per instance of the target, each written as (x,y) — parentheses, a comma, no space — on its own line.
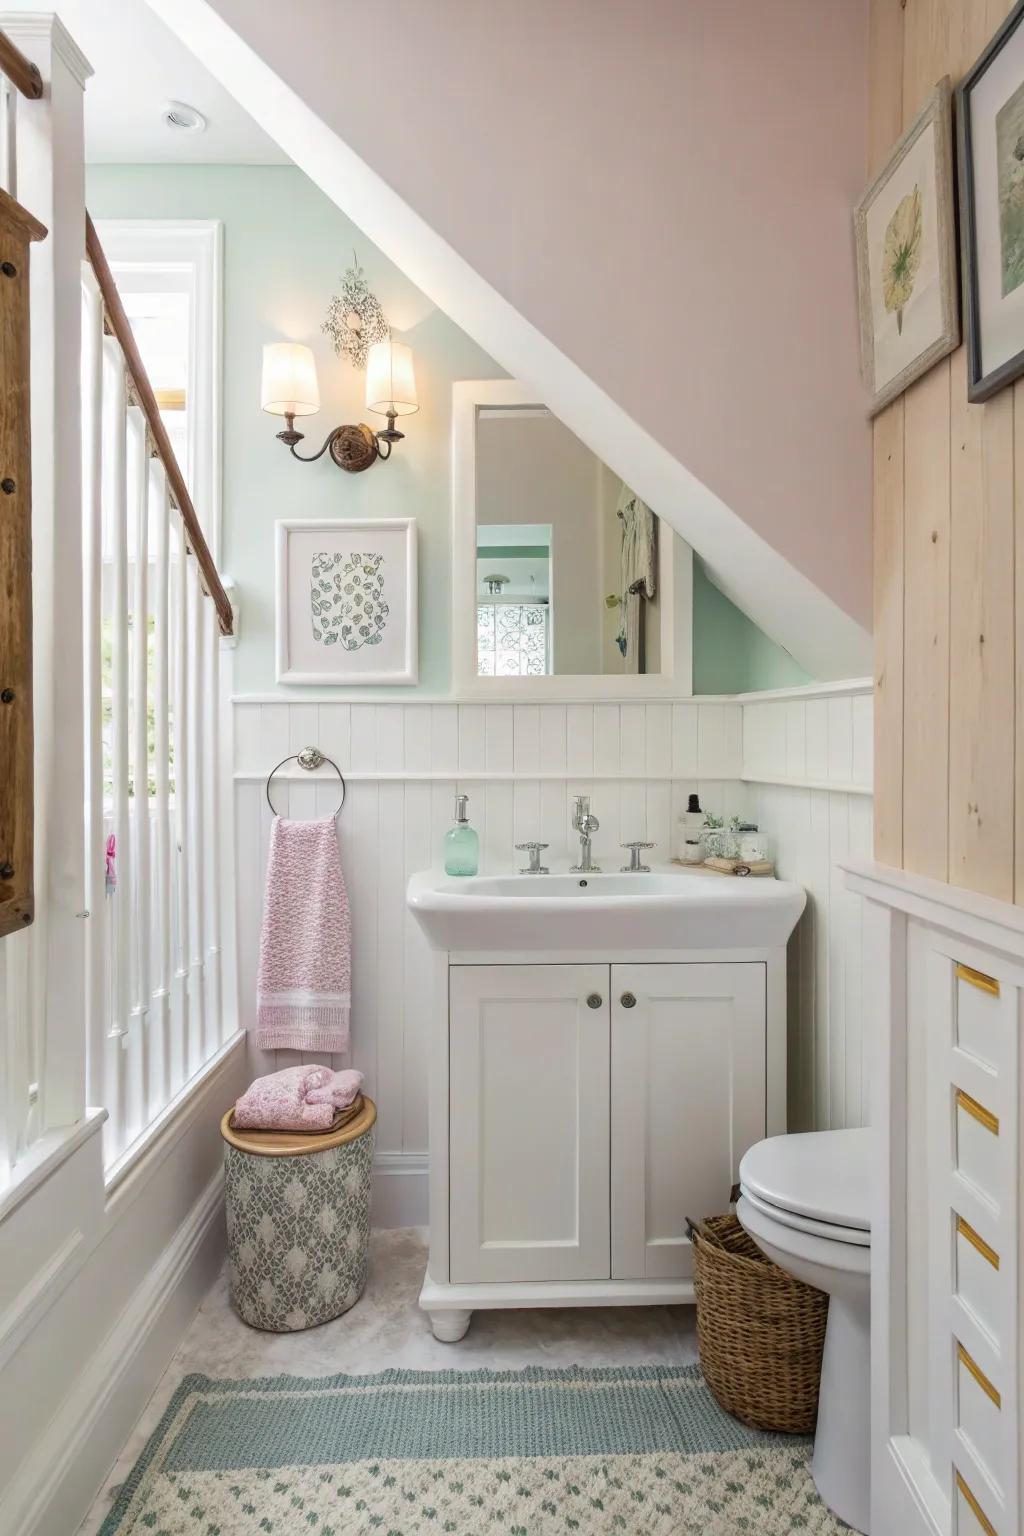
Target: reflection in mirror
(566,556)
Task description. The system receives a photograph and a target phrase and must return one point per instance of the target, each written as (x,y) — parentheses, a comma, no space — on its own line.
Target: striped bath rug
(643,1451)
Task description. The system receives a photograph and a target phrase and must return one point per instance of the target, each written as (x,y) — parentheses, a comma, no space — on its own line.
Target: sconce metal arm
(292,437)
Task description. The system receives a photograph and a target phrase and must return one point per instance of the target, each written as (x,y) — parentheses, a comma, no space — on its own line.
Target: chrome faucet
(585,823)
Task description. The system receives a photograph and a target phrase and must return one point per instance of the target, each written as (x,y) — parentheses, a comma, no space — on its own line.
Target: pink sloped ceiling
(663,188)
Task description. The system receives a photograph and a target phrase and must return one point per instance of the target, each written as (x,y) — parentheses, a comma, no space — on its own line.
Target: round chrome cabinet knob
(627,1000)
(595,1000)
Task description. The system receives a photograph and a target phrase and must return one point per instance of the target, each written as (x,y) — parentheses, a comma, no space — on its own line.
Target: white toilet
(805,1201)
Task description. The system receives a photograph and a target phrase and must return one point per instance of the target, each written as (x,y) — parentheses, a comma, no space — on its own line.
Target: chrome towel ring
(310,758)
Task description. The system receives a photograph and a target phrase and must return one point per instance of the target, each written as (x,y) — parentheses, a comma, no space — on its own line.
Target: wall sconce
(290,389)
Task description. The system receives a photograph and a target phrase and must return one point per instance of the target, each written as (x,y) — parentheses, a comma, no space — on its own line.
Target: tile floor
(386,1328)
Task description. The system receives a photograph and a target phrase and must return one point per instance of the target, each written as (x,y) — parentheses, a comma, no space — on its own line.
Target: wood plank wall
(949,547)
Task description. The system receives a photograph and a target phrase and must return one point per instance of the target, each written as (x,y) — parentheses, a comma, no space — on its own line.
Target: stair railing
(154,606)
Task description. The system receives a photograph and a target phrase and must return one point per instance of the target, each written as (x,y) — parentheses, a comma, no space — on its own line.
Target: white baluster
(8,137)
(138,509)
(97,940)
(196,820)
(160,1028)
(182,1010)
(212,834)
(115,508)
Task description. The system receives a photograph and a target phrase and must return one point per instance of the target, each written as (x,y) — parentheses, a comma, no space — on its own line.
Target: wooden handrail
(21,72)
(120,328)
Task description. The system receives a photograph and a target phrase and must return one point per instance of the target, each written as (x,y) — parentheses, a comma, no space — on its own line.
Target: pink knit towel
(303,994)
(297,1099)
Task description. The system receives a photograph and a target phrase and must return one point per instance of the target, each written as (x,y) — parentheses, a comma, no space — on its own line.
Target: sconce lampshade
(289,380)
(390,381)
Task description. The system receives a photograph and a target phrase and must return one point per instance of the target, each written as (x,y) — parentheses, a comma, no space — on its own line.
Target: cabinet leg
(450,1326)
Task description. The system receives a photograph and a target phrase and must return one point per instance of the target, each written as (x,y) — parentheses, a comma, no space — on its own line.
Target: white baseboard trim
(57,1482)
(401,1196)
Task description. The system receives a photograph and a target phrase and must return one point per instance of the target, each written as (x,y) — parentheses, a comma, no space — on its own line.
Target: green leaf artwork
(347,606)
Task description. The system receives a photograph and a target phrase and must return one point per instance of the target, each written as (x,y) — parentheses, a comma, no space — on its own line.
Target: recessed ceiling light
(183,118)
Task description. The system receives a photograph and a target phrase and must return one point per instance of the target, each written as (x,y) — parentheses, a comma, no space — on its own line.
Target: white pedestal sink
(603,1050)
(671,908)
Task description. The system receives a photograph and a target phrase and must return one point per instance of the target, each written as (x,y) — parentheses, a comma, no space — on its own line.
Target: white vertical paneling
(363,747)
(498,748)
(607,739)
(333,732)
(417,738)
(526,738)
(552,738)
(390,740)
(632,738)
(444,738)
(472,738)
(390,999)
(659,740)
(817,739)
(579,738)
(684,740)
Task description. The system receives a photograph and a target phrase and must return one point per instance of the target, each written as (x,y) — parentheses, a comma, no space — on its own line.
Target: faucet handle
(634,867)
(534,850)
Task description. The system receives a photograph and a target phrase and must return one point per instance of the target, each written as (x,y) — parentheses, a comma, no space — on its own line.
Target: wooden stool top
(296,1143)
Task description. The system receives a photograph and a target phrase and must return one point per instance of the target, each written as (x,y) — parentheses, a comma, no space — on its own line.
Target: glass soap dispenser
(461,843)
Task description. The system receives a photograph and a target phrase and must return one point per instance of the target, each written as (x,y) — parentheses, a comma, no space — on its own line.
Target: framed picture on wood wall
(346,601)
(990,121)
(906,256)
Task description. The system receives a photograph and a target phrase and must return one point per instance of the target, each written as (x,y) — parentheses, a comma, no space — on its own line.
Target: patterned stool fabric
(298,1215)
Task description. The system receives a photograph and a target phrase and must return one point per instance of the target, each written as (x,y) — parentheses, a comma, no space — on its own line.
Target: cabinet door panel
(688,1099)
(529,1132)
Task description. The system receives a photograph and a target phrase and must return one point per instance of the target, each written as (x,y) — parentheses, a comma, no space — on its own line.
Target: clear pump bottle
(461,843)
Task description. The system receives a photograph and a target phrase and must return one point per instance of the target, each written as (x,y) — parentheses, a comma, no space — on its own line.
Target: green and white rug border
(175,1416)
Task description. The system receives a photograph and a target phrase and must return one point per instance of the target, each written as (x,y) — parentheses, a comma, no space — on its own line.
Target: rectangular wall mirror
(559,571)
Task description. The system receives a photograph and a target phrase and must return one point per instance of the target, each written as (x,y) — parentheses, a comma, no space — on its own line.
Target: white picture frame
(331,645)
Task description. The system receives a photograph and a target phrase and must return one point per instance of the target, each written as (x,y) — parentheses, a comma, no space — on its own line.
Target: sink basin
(669,908)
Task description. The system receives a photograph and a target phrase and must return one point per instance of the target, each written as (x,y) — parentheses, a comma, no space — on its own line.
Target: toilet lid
(823,1175)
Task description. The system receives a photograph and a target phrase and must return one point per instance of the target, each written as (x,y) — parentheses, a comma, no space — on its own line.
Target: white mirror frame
(675,577)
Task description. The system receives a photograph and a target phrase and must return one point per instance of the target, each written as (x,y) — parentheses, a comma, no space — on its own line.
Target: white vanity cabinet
(591,1109)
(604,1049)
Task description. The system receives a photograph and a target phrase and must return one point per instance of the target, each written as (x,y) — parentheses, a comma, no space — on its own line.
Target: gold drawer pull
(979,1375)
(977,1111)
(966,1231)
(977,979)
(979,1513)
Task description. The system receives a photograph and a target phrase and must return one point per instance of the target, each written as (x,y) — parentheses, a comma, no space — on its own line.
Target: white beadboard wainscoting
(521,765)
(807,762)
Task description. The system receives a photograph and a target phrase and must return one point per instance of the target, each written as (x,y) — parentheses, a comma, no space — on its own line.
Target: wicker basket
(760,1331)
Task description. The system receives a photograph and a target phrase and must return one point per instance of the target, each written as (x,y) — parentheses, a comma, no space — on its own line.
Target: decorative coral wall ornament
(355,319)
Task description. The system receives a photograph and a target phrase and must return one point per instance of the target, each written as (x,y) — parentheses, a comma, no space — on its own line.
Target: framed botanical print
(904,227)
(990,120)
(346,601)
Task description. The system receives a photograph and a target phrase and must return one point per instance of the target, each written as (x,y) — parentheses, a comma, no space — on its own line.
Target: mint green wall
(285,247)
(730,653)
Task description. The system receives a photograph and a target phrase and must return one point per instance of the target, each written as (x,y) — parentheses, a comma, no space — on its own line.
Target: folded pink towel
(297,1099)
(303,993)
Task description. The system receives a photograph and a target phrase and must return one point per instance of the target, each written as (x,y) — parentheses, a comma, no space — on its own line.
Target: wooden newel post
(17,230)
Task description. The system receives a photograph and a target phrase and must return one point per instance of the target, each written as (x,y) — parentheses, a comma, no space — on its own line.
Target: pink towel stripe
(305,975)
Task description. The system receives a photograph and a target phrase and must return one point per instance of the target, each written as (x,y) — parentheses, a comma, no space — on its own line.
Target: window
(169,275)
(512,639)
